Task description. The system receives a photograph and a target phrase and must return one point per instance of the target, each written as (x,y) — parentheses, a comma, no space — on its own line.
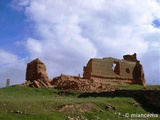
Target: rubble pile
(76,83)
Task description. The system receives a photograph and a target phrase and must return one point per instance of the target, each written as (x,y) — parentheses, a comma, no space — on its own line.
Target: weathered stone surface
(27,83)
(115,71)
(132,58)
(36,75)
(67,82)
(138,74)
(37,84)
(97,74)
(36,70)
(40,83)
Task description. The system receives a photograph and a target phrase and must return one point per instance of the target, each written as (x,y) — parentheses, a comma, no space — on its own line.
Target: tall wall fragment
(129,70)
(36,70)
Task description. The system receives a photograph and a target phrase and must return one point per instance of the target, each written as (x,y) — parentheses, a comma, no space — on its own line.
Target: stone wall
(36,75)
(132,58)
(129,69)
(36,70)
(106,71)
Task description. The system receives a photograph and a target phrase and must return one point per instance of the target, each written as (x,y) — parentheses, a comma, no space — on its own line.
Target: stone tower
(36,70)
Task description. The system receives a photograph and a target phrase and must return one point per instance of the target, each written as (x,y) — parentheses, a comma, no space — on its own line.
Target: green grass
(153,87)
(25,103)
(137,87)
(125,87)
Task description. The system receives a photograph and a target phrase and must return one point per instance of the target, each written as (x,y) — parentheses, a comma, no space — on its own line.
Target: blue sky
(156,23)
(66,34)
(13,27)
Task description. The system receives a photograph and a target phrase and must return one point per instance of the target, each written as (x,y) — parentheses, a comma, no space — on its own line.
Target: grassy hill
(25,103)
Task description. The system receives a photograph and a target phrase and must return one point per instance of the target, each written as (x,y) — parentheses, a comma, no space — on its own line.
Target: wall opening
(113,67)
(127,70)
(116,67)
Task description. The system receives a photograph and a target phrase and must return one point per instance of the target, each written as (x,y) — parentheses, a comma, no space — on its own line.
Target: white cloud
(73,31)
(11,68)
(5,57)
(34,46)
(151,60)
(155,44)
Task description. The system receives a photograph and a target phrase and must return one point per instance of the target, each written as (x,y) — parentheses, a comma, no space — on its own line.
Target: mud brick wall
(36,69)
(112,68)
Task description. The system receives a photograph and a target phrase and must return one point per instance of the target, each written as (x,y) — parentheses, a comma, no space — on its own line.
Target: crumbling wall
(97,74)
(138,74)
(127,70)
(109,68)
(132,58)
(36,75)
(87,70)
(36,69)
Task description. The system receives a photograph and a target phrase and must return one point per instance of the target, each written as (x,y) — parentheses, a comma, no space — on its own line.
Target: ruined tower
(36,70)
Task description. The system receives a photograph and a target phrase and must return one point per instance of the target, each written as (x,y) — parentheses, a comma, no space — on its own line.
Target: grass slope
(25,103)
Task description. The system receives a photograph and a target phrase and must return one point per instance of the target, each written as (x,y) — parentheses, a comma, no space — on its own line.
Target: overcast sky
(65,34)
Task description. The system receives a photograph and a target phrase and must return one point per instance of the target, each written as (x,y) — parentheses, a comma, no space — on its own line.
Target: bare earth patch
(72,108)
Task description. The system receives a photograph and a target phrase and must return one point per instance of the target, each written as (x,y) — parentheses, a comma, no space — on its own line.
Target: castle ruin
(36,69)
(36,75)
(97,73)
(114,71)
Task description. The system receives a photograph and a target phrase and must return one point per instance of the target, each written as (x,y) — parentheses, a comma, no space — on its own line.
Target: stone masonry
(115,71)
(36,75)
(36,69)
(97,74)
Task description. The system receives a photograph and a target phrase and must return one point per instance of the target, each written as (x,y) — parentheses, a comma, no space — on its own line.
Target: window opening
(116,68)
